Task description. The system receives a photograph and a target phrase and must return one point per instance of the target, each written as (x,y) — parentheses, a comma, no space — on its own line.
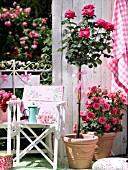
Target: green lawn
(37,162)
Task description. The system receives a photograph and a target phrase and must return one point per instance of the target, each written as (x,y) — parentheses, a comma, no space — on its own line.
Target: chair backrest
(43,93)
(45,98)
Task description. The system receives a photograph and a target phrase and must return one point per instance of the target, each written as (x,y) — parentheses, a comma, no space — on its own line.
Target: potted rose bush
(85,42)
(103,116)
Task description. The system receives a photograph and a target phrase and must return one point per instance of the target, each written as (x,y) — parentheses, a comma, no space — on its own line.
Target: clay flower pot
(104,145)
(3,116)
(80,150)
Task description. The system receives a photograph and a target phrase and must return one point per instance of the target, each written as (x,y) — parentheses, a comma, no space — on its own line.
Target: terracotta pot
(3,116)
(104,145)
(80,151)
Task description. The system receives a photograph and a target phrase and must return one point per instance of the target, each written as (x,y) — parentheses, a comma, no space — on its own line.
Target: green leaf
(59,50)
(99,61)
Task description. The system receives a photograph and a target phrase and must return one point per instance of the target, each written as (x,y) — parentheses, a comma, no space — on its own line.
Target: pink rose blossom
(28,10)
(101,22)
(106,106)
(14,3)
(21,39)
(34,46)
(21,9)
(107,127)
(70,14)
(22,42)
(26,47)
(11,9)
(15,48)
(43,28)
(3,15)
(34,24)
(2,92)
(89,6)
(93,88)
(26,38)
(102,120)
(25,30)
(75,127)
(24,24)
(12,16)
(88,106)
(17,7)
(112,95)
(109,26)
(84,32)
(91,115)
(105,92)
(88,10)
(84,115)
(36,35)
(114,110)
(17,12)
(35,42)
(29,55)
(114,120)
(8,23)
(6,95)
(44,20)
(4,10)
(85,118)
(96,106)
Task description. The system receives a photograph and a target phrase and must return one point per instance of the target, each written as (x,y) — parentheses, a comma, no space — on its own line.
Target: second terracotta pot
(104,145)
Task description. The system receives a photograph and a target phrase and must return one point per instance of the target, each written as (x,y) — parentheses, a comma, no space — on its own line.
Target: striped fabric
(119,63)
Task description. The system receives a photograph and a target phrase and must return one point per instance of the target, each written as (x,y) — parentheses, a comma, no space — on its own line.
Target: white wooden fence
(62,72)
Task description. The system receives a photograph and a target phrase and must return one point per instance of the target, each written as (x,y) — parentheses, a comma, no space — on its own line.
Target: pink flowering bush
(22,37)
(104,111)
(4,97)
(86,41)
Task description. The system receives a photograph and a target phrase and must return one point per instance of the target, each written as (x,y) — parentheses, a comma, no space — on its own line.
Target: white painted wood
(19,82)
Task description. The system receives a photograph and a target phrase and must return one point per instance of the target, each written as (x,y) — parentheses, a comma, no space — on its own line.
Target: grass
(37,162)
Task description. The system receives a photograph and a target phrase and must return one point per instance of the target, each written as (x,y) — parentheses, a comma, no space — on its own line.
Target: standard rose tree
(85,42)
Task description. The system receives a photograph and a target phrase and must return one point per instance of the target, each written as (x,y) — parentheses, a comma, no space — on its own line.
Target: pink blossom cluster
(29,39)
(103,109)
(88,11)
(4,97)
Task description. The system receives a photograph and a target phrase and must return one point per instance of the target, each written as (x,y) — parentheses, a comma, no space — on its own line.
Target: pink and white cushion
(111,164)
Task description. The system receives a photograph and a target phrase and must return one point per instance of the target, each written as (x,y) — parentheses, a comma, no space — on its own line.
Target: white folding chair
(45,97)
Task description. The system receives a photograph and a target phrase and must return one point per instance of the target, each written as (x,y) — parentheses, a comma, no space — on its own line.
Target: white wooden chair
(50,101)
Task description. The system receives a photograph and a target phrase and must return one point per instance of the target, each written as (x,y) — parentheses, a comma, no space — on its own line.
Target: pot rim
(71,138)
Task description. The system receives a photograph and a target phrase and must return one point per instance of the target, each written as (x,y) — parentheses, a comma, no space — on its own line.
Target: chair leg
(18,147)
(55,153)
(48,141)
(61,151)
